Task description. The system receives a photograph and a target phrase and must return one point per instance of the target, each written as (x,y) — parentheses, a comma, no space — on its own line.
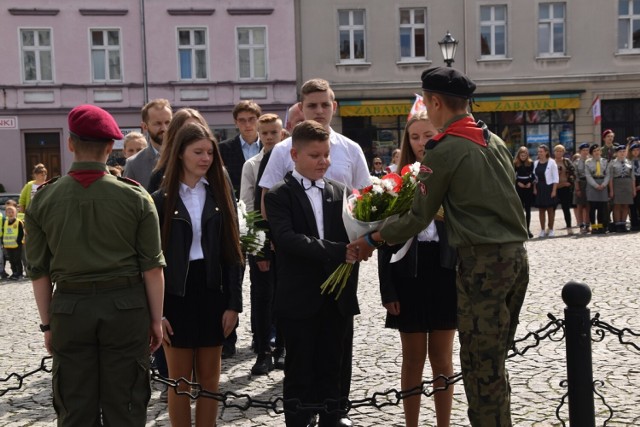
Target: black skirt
(196,318)
(428,301)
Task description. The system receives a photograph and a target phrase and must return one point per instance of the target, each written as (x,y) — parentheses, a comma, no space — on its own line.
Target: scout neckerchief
(466,128)
(87,177)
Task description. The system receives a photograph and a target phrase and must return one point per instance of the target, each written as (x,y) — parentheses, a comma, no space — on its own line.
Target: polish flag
(595,109)
(418,106)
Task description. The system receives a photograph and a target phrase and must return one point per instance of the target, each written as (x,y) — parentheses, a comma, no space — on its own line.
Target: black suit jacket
(233,158)
(304,261)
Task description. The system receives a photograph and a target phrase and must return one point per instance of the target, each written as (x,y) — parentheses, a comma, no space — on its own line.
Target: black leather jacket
(220,274)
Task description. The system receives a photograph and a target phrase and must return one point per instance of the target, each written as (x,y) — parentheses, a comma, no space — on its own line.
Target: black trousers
(15,259)
(602,216)
(262,290)
(313,366)
(634,209)
(565,194)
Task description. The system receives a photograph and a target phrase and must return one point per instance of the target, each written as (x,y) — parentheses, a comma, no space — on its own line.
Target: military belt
(100,285)
(479,250)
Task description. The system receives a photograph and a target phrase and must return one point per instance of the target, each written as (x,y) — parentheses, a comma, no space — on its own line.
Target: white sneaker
(551,233)
(541,233)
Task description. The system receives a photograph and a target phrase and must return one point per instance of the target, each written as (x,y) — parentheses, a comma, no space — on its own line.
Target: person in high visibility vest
(12,235)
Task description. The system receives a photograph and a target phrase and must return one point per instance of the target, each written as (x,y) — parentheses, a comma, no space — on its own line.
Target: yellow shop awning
(378,107)
(486,104)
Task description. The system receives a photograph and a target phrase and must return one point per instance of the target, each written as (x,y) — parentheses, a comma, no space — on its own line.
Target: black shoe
(14,277)
(313,421)
(4,275)
(228,350)
(345,422)
(263,365)
(278,358)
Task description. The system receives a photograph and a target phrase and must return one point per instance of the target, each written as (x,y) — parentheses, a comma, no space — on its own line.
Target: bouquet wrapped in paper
(367,210)
(252,237)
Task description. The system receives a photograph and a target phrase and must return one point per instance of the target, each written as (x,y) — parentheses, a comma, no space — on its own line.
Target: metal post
(579,366)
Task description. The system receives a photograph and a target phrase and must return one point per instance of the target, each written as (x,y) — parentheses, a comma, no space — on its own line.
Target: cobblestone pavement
(608,264)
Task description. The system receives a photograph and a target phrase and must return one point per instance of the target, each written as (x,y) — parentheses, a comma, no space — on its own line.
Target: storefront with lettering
(530,120)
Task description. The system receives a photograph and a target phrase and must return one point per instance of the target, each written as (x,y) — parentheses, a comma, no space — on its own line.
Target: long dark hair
(218,183)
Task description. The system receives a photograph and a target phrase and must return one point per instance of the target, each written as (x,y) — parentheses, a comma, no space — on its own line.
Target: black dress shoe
(228,350)
(278,358)
(345,422)
(263,364)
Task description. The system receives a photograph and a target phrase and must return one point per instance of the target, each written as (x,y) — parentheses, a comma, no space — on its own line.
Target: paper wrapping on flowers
(356,228)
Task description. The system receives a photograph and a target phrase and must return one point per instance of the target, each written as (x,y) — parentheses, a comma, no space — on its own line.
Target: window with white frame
(551,29)
(413,30)
(628,25)
(105,55)
(252,53)
(37,63)
(192,53)
(493,31)
(351,31)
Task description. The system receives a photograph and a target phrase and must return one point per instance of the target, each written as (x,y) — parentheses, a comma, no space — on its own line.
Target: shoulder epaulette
(48,182)
(129,181)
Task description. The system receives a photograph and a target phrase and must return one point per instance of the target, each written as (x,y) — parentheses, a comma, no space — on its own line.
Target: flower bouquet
(252,237)
(369,209)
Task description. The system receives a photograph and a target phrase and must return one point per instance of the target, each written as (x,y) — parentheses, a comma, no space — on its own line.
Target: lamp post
(448,46)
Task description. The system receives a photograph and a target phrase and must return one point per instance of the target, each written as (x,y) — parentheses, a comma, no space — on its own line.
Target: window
(493,31)
(37,64)
(628,24)
(105,55)
(252,53)
(413,40)
(351,35)
(192,53)
(551,24)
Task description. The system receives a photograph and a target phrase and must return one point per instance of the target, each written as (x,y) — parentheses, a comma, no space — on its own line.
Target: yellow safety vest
(10,234)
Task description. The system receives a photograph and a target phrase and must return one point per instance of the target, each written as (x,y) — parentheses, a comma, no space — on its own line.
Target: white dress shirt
(314,193)
(429,234)
(193,199)
(348,164)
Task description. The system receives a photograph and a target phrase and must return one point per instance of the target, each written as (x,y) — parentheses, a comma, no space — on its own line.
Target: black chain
(547,331)
(20,378)
(603,327)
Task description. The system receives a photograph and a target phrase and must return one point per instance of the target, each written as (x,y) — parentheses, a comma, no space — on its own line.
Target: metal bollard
(577,320)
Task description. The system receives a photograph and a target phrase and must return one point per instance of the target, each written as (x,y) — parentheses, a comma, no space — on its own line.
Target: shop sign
(8,122)
(526,103)
(374,108)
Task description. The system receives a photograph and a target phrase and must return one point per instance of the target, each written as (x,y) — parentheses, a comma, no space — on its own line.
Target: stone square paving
(608,264)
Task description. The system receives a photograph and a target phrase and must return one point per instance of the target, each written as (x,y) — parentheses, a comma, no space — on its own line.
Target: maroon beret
(91,123)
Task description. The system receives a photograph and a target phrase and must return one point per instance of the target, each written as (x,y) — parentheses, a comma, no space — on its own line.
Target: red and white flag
(418,106)
(595,109)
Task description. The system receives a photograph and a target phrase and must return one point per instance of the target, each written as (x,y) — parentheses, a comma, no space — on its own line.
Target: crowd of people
(601,183)
(152,261)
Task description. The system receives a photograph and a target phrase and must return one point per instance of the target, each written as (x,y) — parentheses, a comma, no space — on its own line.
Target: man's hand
(263,265)
(393,308)
(229,321)
(47,341)
(362,248)
(155,334)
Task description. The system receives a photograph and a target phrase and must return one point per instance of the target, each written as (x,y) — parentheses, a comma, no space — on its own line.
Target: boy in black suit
(305,215)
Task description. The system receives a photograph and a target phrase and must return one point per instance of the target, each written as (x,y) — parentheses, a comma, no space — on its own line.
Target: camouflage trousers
(492,283)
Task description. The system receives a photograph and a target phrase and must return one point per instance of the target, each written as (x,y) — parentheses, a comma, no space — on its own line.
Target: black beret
(620,148)
(593,147)
(447,81)
(583,146)
(91,123)
(634,146)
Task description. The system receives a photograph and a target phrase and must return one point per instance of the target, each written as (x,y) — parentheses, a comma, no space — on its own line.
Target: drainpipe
(143,37)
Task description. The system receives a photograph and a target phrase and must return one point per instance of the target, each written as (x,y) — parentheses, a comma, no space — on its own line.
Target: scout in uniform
(597,190)
(622,186)
(469,171)
(580,190)
(96,238)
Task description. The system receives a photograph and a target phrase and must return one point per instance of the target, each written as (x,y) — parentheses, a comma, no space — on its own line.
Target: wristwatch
(45,328)
(369,239)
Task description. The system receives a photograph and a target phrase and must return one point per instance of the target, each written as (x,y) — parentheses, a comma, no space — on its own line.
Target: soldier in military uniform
(96,238)
(469,171)
(580,190)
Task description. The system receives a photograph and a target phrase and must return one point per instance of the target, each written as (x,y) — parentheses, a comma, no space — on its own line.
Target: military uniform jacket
(474,184)
(105,231)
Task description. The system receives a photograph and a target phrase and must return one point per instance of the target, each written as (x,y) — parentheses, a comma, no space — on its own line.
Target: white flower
(375,180)
(242,208)
(242,225)
(377,188)
(262,237)
(374,209)
(415,168)
(388,185)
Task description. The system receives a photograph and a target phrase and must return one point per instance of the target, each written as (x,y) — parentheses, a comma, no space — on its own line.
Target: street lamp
(448,46)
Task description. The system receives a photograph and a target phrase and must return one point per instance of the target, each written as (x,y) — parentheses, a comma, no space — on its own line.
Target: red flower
(365,190)
(405,170)
(396,179)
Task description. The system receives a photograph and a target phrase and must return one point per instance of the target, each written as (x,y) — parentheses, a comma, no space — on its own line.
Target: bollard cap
(576,295)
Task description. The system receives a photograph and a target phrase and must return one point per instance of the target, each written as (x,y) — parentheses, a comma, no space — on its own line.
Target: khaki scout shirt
(102,232)
(475,185)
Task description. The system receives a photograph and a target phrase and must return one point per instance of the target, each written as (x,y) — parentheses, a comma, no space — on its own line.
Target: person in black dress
(419,293)
(544,190)
(525,180)
(203,280)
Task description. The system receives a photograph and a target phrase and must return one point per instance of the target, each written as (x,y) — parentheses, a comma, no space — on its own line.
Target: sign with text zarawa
(8,122)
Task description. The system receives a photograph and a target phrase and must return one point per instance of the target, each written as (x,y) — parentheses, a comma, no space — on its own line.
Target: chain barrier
(20,378)
(553,330)
(601,328)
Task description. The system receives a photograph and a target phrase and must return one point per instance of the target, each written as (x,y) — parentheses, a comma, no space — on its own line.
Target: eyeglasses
(377,163)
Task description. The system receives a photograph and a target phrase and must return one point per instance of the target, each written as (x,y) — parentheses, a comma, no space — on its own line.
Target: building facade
(119,54)
(539,65)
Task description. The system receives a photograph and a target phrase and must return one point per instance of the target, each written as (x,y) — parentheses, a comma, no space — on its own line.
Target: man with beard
(156,116)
